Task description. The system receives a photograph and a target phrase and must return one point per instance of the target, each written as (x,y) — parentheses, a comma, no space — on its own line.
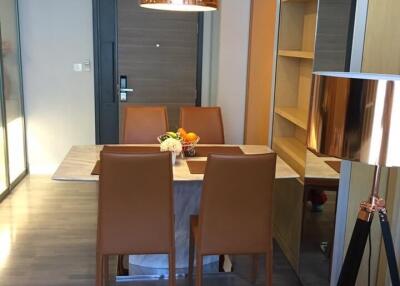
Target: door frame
(3,114)
(105,33)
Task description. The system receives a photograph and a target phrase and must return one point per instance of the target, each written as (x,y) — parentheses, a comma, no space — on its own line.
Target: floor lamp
(356,117)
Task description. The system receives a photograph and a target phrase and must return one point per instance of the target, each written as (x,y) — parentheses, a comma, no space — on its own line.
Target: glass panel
(12,88)
(3,174)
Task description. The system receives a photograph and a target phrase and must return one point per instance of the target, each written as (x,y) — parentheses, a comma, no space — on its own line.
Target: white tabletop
(80,161)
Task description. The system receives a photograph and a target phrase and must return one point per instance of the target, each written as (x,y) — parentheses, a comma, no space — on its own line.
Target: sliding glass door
(3,170)
(13,159)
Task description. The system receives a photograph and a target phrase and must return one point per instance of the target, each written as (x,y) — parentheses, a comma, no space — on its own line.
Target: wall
(59,102)
(392,203)
(228,39)
(260,72)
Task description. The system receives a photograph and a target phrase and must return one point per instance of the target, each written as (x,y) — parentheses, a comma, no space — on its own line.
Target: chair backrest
(135,214)
(205,121)
(143,124)
(236,205)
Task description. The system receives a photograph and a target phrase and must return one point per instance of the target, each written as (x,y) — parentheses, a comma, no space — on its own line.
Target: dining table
(80,163)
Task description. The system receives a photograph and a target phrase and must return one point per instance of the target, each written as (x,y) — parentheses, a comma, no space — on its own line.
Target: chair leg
(121,270)
(172,266)
(191,256)
(268,268)
(105,270)
(221,263)
(99,270)
(254,270)
(199,270)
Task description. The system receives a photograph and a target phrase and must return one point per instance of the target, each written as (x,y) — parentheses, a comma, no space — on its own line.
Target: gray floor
(48,237)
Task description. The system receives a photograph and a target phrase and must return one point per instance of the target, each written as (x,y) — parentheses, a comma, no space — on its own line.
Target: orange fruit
(182,132)
(191,137)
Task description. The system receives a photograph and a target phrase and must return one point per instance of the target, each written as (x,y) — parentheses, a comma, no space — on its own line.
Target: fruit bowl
(188,140)
(188,148)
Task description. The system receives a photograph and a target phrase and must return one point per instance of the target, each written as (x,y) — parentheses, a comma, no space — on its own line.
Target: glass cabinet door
(12,89)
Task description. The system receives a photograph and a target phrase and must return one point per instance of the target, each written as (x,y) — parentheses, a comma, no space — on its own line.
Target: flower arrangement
(172,145)
(179,141)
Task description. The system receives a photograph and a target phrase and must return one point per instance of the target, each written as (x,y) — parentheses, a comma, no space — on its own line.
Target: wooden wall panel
(382,38)
(260,71)
(157,51)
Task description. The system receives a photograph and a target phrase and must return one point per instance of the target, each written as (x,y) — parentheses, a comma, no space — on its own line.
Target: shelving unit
(295,115)
(293,80)
(291,149)
(296,0)
(296,54)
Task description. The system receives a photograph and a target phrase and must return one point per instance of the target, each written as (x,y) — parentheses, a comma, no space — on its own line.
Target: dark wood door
(157,53)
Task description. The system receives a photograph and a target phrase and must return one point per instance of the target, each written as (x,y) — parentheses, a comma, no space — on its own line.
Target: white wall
(227,35)
(59,102)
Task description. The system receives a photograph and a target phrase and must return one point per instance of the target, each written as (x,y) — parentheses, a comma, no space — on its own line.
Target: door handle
(123,91)
(126,90)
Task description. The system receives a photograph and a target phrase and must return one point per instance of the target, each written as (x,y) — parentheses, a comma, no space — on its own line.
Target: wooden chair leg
(221,263)
(268,268)
(105,270)
(254,269)
(99,269)
(191,256)
(172,266)
(199,270)
(121,270)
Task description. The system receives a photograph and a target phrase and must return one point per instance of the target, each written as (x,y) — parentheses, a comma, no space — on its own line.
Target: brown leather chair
(135,214)
(143,124)
(204,121)
(235,210)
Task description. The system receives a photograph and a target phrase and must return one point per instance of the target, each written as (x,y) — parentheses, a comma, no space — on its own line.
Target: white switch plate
(78,67)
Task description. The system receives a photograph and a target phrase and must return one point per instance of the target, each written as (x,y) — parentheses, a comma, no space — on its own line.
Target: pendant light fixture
(180,5)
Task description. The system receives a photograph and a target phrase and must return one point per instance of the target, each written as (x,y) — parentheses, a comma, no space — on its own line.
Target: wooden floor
(48,237)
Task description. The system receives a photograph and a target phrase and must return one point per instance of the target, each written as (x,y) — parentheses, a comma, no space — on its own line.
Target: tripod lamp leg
(390,253)
(355,251)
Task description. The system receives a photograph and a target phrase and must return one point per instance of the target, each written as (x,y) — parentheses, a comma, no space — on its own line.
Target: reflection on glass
(12,88)
(3,174)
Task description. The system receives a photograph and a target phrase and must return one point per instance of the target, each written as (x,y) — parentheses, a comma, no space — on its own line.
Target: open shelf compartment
(295,115)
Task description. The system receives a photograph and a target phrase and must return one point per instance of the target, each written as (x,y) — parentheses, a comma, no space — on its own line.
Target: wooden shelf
(297,1)
(293,151)
(295,115)
(296,54)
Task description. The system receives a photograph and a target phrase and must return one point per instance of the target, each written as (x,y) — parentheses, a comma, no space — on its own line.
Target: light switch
(87,66)
(78,67)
